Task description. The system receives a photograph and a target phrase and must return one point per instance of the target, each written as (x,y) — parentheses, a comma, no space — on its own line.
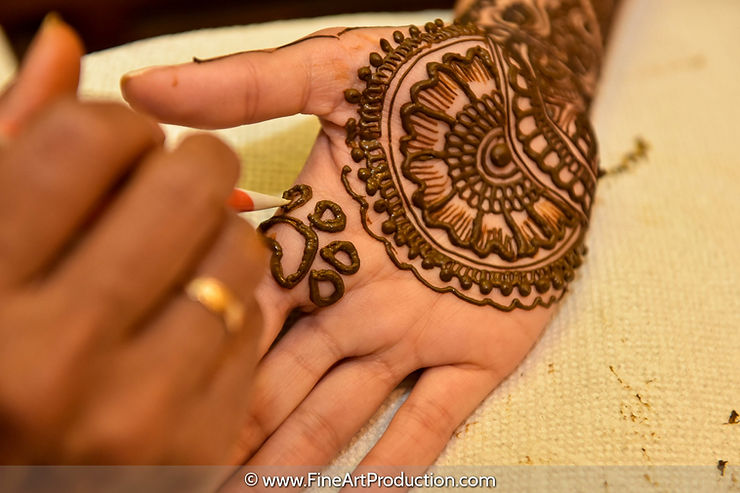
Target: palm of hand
(338,363)
(330,372)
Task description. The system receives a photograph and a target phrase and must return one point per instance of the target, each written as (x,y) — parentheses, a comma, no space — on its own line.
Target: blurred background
(107,23)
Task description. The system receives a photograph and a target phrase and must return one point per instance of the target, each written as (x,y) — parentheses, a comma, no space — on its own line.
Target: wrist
(562,39)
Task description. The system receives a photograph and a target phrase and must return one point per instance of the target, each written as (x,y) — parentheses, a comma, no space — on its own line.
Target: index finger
(307,76)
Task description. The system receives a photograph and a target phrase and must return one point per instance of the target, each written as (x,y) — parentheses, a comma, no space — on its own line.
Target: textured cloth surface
(7,61)
(640,364)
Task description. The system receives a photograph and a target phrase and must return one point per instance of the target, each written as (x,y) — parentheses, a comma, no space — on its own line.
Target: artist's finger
(237,259)
(53,177)
(197,376)
(331,415)
(190,357)
(175,201)
(307,77)
(440,401)
(51,69)
(226,397)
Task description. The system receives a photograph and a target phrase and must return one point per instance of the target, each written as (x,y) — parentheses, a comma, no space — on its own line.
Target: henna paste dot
(466,283)
(558,281)
(379,206)
(542,285)
(330,276)
(398,36)
(331,225)
(364,73)
(329,254)
(352,96)
(385,45)
(357,154)
(309,250)
(485,286)
(376,60)
(524,289)
(389,227)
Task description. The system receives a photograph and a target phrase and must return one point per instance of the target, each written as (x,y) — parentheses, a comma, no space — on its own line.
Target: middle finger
(151,236)
(53,176)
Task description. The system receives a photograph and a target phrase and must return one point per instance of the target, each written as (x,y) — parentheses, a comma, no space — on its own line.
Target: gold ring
(219,300)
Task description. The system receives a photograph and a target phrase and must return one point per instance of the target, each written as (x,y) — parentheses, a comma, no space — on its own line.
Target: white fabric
(7,60)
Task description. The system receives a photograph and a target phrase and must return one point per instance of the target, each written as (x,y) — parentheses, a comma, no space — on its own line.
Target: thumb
(50,70)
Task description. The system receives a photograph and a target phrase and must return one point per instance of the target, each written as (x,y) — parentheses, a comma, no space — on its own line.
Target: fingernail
(51,19)
(128,76)
(136,73)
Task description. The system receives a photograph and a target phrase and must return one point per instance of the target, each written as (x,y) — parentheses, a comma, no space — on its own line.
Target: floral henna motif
(479,164)
(563,37)
(299,195)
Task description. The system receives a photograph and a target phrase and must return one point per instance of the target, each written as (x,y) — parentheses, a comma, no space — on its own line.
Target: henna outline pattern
(334,225)
(329,254)
(309,250)
(564,38)
(325,275)
(299,195)
(491,182)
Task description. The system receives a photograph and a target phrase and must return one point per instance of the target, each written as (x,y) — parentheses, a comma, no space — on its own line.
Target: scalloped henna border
(362,138)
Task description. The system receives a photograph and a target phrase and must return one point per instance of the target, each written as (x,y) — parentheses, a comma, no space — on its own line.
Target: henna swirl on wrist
(479,163)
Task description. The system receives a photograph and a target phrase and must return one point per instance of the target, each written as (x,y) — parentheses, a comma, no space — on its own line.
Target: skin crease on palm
(331,371)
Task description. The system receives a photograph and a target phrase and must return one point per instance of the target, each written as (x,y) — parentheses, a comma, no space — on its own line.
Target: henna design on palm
(485,188)
(298,196)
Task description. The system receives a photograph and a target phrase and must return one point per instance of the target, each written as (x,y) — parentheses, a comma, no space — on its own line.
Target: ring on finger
(218,299)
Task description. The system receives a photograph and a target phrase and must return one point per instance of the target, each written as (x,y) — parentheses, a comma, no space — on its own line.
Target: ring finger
(195,373)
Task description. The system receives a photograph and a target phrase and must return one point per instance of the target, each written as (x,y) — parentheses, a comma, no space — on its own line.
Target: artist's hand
(103,357)
(50,70)
(323,380)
